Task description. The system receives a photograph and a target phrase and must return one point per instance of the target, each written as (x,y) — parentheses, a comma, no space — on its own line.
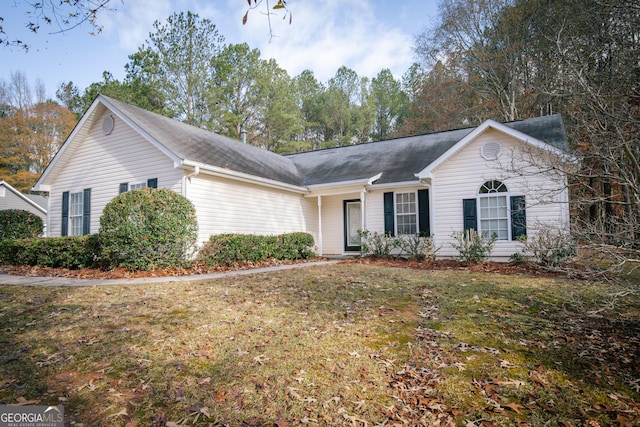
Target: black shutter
(423,213)
(518,217)
(65,214)
(470,214)
(389,221)
(152,183)
(86,212)
(124,187)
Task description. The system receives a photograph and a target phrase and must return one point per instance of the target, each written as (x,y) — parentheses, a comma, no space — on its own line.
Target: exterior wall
(229,206)
(333,223)
(101,162)
(461,176)
(10,200)
(333,216)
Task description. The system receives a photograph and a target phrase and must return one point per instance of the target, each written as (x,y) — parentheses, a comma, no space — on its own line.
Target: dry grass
(334,345)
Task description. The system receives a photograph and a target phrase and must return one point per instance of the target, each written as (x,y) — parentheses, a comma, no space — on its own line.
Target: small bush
(417,247)
(72,252)
(19,224)
(376,244)
(148,228)
(550,247)
(229,249)
(472,247)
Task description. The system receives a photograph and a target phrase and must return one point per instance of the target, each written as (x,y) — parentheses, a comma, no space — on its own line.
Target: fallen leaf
(514,407)
(20,401)
(260,359)
(122,412)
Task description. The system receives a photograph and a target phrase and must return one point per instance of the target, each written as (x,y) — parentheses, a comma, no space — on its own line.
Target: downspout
(319,225)
(196,172)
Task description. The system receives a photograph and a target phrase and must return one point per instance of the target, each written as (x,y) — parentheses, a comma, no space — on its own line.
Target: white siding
(10,200)
(227,206)
(461,176)
(101,162)
(333,223)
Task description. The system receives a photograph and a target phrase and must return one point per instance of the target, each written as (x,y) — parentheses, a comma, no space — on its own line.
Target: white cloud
(131,24)
(329,34)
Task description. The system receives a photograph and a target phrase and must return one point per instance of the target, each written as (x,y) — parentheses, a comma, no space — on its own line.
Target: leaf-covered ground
(349,344)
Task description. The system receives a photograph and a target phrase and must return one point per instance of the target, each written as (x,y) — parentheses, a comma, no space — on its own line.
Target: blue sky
(364,35)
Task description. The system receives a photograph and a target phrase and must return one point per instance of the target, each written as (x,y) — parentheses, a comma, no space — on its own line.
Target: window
(493,211)
(151,183)
(76,213)
(406,213)
(137,186)
(402,215)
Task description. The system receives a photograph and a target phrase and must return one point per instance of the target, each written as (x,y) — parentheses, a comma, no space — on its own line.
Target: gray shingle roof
(191,143)
(398,159)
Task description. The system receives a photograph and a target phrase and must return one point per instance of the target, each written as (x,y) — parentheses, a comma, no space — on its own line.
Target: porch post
(319,225)
(363,224)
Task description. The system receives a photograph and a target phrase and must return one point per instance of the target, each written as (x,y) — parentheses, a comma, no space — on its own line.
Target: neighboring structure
(436,184)
(10,198)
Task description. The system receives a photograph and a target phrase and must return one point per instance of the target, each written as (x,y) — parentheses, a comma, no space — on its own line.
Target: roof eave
(22,196)
(243,177)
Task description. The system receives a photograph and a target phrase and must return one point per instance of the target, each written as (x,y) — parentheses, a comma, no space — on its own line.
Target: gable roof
(38,202)
(190,143)
(390,161)
(399,160)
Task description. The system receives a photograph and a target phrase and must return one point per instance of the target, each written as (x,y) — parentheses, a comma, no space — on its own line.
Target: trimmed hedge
(148,228)
(229,249)
(57,252)
(19,224)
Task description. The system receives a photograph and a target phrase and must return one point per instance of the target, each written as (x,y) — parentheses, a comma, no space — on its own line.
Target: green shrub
(71,252)
(292,246)
(19,224)
(471,246)
(148,228)
(229,249)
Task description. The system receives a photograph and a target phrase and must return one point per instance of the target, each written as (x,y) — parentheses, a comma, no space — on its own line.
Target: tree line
(500,59)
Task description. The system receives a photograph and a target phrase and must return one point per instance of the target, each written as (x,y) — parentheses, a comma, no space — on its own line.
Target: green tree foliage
(390,103)
(176,60)
(148,228)
(133,90)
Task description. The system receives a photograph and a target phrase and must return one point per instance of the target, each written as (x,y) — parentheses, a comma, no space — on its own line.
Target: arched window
(494,210)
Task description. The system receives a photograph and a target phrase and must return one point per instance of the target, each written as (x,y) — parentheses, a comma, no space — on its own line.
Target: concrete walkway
(9,279)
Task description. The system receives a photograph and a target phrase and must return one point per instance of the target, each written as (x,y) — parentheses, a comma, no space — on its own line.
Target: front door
(352,223)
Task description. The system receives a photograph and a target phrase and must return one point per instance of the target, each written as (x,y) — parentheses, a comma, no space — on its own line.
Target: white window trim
(137,185)
(73,215)
(507,196)
(395,211)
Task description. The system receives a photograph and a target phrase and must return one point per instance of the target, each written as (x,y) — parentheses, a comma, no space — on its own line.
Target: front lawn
(345,344)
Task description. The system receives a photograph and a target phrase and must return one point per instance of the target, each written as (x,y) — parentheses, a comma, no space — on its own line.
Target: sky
(364,35)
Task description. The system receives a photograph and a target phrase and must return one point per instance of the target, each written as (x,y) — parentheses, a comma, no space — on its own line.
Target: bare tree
(57,15)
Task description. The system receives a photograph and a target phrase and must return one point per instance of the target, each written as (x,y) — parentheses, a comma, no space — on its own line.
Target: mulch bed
(511,268)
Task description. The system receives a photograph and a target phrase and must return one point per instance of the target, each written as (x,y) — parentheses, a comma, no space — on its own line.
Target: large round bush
(148,228)
(19,224)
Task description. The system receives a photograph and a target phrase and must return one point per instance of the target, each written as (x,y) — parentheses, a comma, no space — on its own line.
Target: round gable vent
(491,150)
(107,125)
